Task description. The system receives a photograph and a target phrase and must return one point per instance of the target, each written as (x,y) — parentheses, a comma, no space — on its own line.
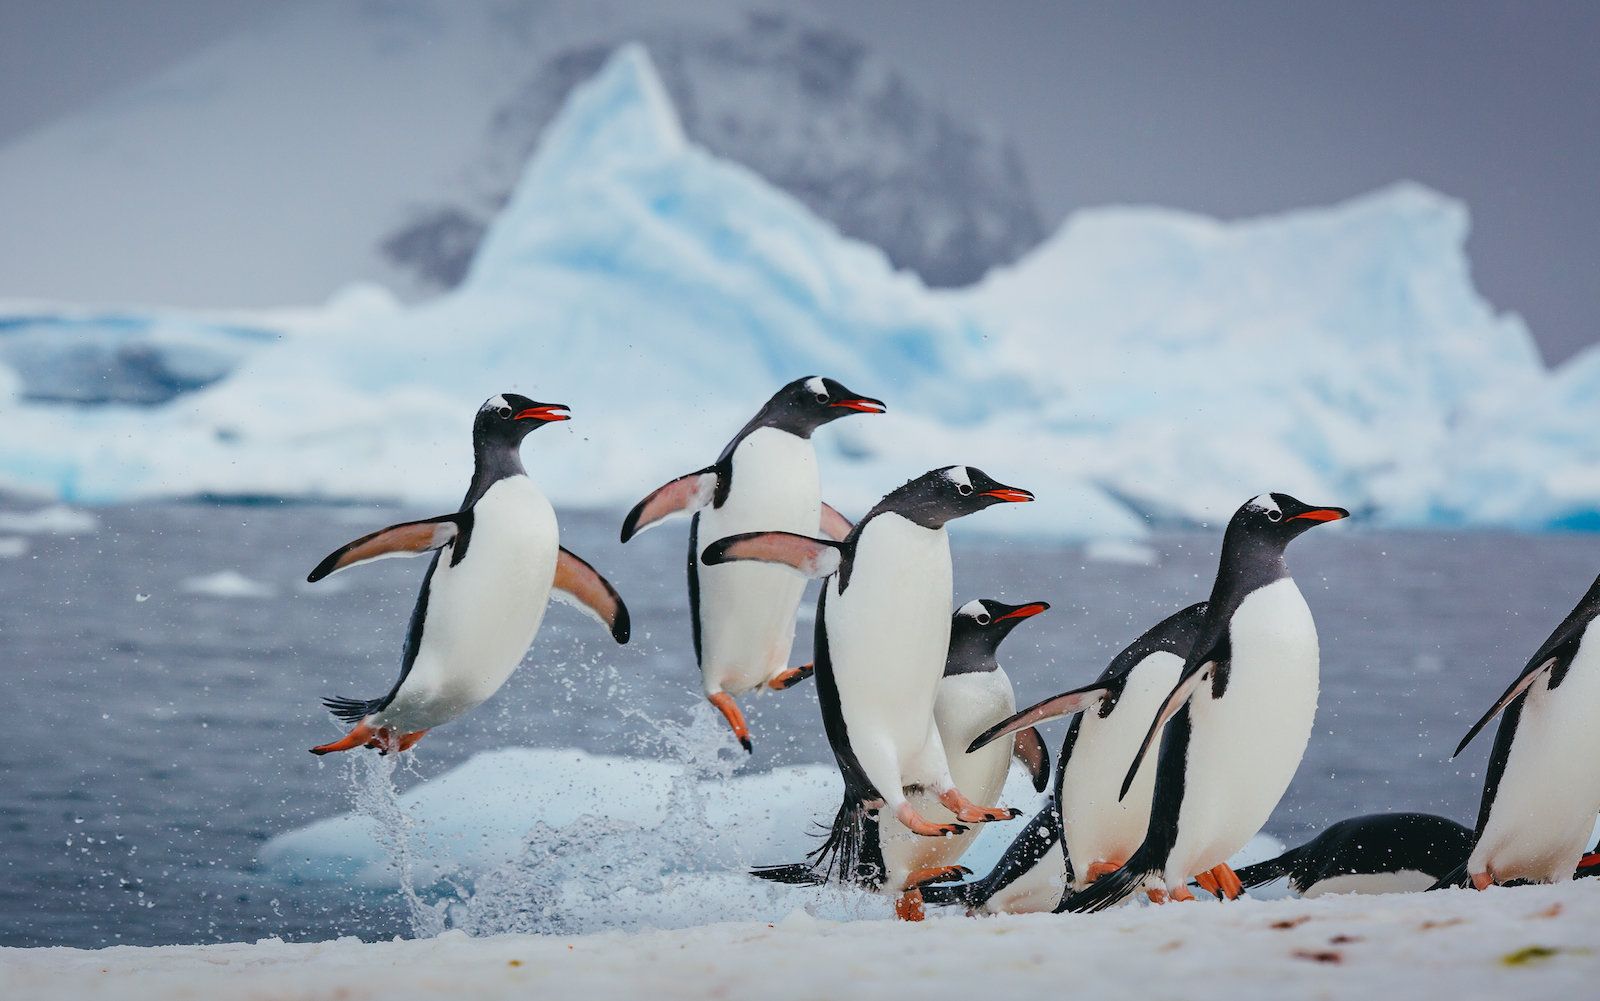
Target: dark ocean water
(153,745)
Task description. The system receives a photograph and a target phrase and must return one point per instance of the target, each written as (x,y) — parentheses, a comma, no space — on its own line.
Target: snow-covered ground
(1533,942)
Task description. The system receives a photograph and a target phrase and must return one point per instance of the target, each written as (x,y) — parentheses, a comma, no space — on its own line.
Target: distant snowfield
(1532,942)
(1141,367)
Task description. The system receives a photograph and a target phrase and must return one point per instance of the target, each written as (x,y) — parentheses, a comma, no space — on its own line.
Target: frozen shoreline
(1526,942)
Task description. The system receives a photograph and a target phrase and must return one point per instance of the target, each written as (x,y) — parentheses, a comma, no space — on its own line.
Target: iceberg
(1143,367)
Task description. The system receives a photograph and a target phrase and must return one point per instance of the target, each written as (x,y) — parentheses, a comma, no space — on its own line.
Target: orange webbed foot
(908,906)
(917,824)
(1103,867)
(730,712)
(361,735)
(1157,895)
(1482,880)
(793,676)
(969,812)
(935,874)
(1181,893)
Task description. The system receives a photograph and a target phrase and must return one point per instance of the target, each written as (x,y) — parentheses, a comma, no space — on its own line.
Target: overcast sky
(1231,108)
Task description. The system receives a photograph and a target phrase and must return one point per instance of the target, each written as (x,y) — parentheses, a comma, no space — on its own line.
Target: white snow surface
(1143,365)
(1533,942)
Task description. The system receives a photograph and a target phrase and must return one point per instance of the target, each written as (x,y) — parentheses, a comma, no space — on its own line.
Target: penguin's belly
(1245,746)
(1549,793)
(1098,826)
(747,610)
(1404,881)
(966,705)
(1037,890)
(888,634)
(483,612)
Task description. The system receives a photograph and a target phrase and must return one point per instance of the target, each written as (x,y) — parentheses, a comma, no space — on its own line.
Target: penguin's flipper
(578,584)
(411,538)
(835,525)
(810,557)
(1054,707)
(1175,701)
(683,495)
(1029,748)
(1519,686)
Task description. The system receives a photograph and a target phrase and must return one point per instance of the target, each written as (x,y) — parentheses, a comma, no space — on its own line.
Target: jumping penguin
(882,636)
(1378,853)
(1240,715)
(1111,715)
(974,692)
(496,564)
(1542,790)
(743,617)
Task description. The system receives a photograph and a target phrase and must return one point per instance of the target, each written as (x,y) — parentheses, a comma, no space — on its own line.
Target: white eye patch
(973,609)
(959,476)
(1264,503)
(816,385)
(495,403)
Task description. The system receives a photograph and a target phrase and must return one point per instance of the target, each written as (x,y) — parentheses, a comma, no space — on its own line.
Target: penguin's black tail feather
(1252,876)
(353,710)
(849,854)
(1114,887)
(1456,877)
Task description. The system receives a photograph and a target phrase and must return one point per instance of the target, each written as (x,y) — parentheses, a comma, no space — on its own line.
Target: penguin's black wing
(1175,634)
(1210,647)
(835,525)
(1029,748)
(810,557)
(578,584)
(1556,652)
(683,495)
(410,538)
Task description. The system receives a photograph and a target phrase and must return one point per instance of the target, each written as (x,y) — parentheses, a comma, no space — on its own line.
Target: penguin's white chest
(1246,743)
(1100,826)
(1549,792)
(889,632)
(747,609)
(483,612)
(965,706)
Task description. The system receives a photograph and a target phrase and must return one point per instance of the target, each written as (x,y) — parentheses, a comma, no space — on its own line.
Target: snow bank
(1142,366)
(1532,942)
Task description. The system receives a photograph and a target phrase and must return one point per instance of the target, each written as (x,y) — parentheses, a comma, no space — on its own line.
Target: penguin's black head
(1279,518)
(806,404)
(941,495)
(506,419)
(977,629)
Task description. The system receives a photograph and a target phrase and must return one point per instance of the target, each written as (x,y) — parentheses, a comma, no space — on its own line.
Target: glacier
(1142,367)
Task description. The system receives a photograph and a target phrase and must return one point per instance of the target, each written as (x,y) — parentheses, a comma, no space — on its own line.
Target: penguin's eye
(1274,515)
(822,397)
(504,412)
(983,618)
(964,489)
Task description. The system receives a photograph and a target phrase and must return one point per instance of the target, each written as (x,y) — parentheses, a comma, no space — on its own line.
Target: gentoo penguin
(1542,790)
(1111,715)
(882,636)
(496,564)
(743,617)
(1240,715)
(1378,853)
(974,692)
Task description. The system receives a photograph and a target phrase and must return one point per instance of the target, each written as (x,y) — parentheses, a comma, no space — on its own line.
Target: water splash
(375,796)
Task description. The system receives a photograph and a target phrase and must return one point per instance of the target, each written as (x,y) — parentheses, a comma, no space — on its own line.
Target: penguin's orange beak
(545,412)
(1011,495)
(863,404)
(1025,612)
(1321,514)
